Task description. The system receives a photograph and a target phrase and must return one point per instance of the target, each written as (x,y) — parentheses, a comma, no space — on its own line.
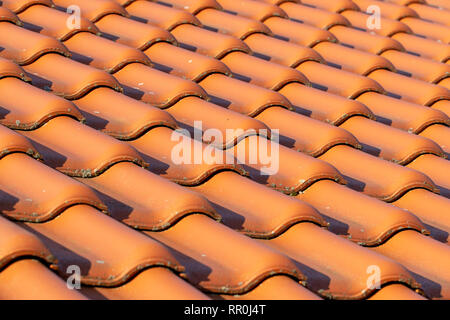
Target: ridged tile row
(88,121)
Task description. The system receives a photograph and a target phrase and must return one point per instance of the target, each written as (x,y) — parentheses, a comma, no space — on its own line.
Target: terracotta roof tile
(184,63)
(7,15)
(364,41)
(410,89)
(161,162)
(193,6)
(402,114)
(429,30)
(387,9)
(94,10)
(358,217)
(132,33)
(234,268)
(423,47)
(445,82)
(252,9)
(155,87)
(160,15)
(442,105)
(104,258)
(335,267)
(352,60)
(242,211)
(279,51)
(322,105)
(299,33)
(12,142)
(389,28)
(317,17)
(61,150)
(40,283)
(208,42)
(10,69)
(431,209)
(419,254)
(235,25)
(262,73)
(335,6)
(341,82)
(396,292)
(49,73)
(55,25)
(18,6)
(375,177)
(439,3)
(49,195)
(274,288)
(430,13)
(24,47)
(120,116)
(151,284)
(439,134)
(131,202)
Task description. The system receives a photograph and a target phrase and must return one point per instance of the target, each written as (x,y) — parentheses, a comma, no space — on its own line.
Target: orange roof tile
(355,121)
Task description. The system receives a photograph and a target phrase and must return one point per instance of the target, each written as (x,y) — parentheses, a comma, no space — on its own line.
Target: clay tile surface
(193,6)
(56,25)
(235,25)
(224,149)
(156,87)
(33,108)
(208,42)
(52,193)
(184,63)
(61,150)
(24,47)
(160,15)
(18,6)
(93,10)
(7,15)
(317,17)
(132,33)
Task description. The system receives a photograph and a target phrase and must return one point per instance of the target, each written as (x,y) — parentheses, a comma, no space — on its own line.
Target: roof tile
(248,207)
(50,193)
(387,10)
(335,6)
(317,17)
(184,63)
(360,218)
(104,258)
(158,145)
(33,108)
(335,267)
(305,134)
(160,15)
(430,13)
(299,33)
(7,15)
(56,23)
(430,30)
(120,116)
(18,6)
(422,47)
(332,80)
(322,105)
(240,96)
(237,26)
(234,268)
(440,134)
(409,89)
(442,105)
(94,10)
(50,73)
(30,280)
(193,6)
(279,51)
(10,69)
(24,47)
(155,87)
(132,33)
(396,292)
(144,200)
(439,3)
(364,41)
(12,142)
(402,114)
(373,176)
(78,150)
(255,10)
(419,254)
(207,42)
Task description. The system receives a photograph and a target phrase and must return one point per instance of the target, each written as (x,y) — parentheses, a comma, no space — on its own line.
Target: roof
(96,95)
